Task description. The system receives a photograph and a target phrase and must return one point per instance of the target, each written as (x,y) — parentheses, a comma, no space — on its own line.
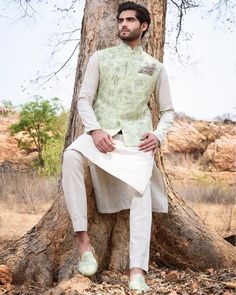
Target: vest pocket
(144,83)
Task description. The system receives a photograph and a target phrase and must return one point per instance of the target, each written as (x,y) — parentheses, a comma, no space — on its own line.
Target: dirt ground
(161,281)
(14,224)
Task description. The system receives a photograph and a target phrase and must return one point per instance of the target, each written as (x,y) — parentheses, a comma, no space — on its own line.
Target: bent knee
(71,157)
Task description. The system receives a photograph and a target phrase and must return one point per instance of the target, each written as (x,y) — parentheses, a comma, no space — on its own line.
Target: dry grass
(25,197)
(215,204)
(206,192)
(26,192)
(222,218)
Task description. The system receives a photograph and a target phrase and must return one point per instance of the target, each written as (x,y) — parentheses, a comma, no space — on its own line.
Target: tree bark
(47,253)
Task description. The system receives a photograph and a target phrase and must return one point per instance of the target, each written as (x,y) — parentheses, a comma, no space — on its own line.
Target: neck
(133,43)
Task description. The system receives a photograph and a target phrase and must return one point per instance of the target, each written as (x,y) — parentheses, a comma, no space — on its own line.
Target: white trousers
(76,201)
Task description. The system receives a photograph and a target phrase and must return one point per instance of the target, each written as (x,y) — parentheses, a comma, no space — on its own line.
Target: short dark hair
(142,13)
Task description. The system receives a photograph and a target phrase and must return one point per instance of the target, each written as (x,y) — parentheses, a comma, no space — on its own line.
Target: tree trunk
(47,253)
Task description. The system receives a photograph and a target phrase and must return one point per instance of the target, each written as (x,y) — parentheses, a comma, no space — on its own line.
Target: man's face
(129,26)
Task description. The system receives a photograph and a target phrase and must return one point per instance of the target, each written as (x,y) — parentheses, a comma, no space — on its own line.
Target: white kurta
(125,172)
(120,175)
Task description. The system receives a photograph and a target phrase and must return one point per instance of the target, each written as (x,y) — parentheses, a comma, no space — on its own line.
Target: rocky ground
(203,146)
(11,157)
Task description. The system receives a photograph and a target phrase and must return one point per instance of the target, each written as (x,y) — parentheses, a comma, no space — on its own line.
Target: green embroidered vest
(127,80)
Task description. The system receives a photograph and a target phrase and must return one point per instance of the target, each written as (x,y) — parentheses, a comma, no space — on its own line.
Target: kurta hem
(127,173)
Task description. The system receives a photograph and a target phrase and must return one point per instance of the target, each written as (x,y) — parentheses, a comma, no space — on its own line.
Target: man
(119,141)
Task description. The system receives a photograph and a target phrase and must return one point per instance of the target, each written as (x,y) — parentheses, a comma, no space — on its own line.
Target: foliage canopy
(37,125)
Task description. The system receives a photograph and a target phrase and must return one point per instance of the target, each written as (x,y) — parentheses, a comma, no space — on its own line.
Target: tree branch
(182,7)
(25,5)
(53,74)
(62,41)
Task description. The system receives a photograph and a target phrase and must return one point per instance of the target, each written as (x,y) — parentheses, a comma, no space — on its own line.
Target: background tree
(6,107)
(7,103)
(53,148)
(47,252)
(37,124)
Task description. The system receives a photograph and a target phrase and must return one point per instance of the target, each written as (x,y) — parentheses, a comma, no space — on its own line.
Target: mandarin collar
(127,48)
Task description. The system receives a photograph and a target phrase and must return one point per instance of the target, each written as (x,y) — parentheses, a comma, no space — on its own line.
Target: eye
(131,19)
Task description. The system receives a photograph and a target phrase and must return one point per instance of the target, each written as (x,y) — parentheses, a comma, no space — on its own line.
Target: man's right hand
(103,141)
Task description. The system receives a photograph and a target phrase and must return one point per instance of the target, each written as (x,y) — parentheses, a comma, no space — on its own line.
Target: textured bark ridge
(47,253)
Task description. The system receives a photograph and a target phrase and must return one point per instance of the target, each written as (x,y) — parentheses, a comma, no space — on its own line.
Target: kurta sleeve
(87,94)
(163,98)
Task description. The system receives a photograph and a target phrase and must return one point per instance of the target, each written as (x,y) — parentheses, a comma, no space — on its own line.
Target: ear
(144,26)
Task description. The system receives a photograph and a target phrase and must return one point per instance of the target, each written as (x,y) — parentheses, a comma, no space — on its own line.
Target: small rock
(105,279)
(78,284)
(172,293)
(210,271)
(172,276)
(163,273)
(5,275)
(194,286)
(152,266)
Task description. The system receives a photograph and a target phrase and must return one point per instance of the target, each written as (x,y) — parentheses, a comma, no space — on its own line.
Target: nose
(124,24)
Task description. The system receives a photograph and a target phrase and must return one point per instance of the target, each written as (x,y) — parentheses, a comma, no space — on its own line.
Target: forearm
(164,101)
(88,93)
(87,115)
(165,122)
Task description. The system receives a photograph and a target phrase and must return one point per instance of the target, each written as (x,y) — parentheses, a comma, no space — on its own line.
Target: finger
(102,143)
(145,135)
(154,151)
(109,144)
(148,145)
(146,142)
(148,149)
(99,148)
(111,139)
(109,147)
(104,147)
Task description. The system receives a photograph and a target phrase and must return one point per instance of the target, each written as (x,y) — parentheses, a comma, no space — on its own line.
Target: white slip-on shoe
(138,284)
(88,265)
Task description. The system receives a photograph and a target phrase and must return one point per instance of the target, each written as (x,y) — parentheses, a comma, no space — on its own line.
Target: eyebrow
(128,18)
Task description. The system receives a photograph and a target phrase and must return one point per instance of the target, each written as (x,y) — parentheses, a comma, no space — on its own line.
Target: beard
(129,36)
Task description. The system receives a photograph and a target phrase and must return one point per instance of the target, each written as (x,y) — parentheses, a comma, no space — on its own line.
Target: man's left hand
(149,143)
